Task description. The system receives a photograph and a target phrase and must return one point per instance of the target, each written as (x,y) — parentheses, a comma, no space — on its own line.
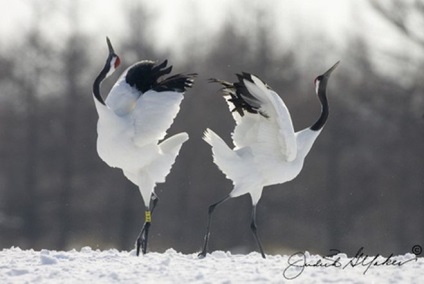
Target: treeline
(361,186)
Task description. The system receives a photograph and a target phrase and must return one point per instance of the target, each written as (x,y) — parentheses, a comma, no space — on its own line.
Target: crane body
(133,122)
(267,150)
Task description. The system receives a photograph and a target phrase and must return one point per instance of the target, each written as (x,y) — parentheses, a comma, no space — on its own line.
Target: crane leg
(154,199)
(253,227)
(144,233)
(202,254)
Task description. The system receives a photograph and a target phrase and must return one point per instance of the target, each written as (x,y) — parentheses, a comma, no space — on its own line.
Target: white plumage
(266,150)
(133,120)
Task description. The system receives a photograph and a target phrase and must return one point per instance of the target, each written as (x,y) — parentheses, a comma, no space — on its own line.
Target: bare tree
(405,16)
(28,72)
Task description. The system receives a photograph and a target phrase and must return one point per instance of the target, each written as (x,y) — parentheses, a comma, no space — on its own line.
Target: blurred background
(362,183)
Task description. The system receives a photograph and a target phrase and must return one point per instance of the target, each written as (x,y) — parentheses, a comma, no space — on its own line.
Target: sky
(97,16)
(333,19)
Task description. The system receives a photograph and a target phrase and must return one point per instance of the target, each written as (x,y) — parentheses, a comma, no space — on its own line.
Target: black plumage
(147,75)
(240,96)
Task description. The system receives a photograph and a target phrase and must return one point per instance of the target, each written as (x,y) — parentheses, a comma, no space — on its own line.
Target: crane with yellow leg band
(133,122)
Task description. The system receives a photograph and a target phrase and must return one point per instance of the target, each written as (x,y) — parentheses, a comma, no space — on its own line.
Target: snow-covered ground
(112,266)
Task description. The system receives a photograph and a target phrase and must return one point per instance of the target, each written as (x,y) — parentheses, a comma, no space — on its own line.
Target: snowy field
(112,266)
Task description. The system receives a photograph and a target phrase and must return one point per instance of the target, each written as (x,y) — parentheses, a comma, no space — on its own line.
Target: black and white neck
(321,91)
(112,62)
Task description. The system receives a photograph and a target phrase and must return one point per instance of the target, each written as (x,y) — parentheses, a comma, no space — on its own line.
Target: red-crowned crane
(267,150)
(133,119)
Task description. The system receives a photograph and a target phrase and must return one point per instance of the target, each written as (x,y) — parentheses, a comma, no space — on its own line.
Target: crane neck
(319,124)
(97,82)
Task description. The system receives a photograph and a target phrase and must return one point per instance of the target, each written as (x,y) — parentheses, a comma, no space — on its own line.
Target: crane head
(113,59)
(321,81)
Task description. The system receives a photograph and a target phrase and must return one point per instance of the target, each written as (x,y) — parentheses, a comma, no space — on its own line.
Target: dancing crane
(267,150)
(135,116)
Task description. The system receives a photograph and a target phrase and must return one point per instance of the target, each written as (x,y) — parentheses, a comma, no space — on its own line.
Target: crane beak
(109,45)
(327,74)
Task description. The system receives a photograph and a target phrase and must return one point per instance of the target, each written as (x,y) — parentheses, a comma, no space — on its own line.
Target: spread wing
(149,101)
(154,114)
(263,121)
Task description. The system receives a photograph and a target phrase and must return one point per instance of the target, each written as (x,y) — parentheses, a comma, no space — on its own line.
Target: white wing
(122,98)
(153,115)
(269,136)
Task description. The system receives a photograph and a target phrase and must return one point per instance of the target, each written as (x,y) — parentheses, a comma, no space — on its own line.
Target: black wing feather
(240,96)
(146,75)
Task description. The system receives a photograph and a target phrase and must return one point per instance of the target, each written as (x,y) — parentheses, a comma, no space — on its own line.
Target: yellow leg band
(148,216)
